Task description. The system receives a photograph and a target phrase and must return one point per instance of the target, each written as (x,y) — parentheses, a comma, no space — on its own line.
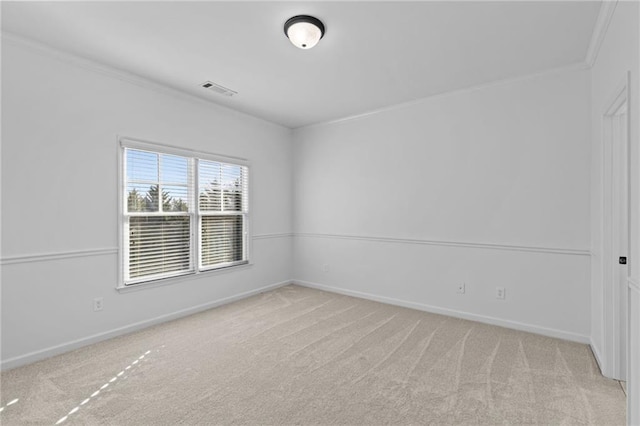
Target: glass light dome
(304,31)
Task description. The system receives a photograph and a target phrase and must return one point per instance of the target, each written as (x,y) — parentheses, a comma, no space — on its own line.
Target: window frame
(195,269)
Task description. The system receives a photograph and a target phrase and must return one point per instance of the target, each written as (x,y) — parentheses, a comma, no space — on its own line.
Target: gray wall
(488,186)
(60,126)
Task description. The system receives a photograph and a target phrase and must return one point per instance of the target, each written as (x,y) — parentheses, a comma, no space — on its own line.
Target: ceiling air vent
(221,90)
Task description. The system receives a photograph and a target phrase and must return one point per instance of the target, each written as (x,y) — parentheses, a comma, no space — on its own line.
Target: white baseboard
(550,332)
(597,356)
(95,338)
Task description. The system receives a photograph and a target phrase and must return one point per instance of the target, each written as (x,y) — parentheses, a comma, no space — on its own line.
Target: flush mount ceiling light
(304,31)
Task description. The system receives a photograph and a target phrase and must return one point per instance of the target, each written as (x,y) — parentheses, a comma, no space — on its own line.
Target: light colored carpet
(301,356)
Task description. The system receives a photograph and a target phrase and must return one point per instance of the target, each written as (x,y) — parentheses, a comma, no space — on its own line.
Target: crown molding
(577,66)
(120,74)
(607,8)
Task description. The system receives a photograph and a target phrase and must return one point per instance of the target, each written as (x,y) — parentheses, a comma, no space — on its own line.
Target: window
(183,212)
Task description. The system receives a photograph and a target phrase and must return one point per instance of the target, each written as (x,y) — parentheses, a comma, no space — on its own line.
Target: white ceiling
(374,54)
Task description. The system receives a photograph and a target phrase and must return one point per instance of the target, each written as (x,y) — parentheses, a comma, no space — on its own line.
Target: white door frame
(615,241)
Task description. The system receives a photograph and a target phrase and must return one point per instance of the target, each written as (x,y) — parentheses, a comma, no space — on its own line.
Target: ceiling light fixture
(304,31)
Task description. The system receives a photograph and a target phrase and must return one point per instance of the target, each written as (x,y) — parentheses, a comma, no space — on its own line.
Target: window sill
(121,288)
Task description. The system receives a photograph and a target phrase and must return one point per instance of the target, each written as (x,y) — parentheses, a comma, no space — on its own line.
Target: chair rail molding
(44,257)
(447,243)
(106,251)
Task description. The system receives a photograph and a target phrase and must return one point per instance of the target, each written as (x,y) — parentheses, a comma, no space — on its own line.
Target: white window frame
(195,268)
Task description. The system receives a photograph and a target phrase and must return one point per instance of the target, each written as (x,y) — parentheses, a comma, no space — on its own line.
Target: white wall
(488,186)
(618,54)
(59,189)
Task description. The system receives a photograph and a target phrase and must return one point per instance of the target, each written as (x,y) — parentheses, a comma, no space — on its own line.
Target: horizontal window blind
(222,240)
(159,245)
(222,207)
(181,215)
(158,219)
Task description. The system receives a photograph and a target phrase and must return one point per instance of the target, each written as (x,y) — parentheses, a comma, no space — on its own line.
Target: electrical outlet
(97,304)
(500,293)
(461,288)
(325,268)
